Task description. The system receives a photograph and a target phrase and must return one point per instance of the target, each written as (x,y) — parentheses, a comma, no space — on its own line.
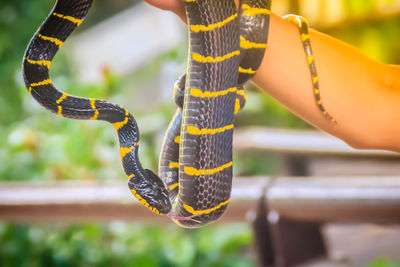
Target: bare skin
(363,95)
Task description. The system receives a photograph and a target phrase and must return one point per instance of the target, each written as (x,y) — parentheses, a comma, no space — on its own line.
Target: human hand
(176,6)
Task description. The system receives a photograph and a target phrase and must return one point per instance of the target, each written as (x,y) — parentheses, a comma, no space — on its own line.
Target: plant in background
(39,146)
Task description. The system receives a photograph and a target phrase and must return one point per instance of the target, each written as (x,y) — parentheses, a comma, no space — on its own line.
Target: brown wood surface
(345,199)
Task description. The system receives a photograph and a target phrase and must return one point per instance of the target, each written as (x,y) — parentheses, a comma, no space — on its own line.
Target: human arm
(363,95)
(360,93)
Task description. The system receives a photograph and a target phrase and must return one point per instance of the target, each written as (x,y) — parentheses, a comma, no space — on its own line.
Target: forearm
(361,94)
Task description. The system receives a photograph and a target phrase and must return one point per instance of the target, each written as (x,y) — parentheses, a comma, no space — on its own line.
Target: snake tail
(66,15)
(302,24)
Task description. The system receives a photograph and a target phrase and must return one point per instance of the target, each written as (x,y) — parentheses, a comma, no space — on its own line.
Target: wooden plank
(345,199)
(298,142)
(320,165)
(339,199)
(82,201)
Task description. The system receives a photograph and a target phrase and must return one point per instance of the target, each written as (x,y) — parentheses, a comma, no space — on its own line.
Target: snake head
(151,192)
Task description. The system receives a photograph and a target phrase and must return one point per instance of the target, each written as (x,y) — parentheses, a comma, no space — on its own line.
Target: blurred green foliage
(37,145)
(378,39)
(120,244)
(383,262)
(15,32)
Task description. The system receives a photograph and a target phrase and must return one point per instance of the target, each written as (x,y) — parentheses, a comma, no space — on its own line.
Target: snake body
(231,46)
(195,169)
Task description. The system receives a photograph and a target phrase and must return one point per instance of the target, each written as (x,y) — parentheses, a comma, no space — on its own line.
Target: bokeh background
(131,53)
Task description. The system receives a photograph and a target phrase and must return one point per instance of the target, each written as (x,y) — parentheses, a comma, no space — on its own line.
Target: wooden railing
(286,211)
(344,199)
(313,153)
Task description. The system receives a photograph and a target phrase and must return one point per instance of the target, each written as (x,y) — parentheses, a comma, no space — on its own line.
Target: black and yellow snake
(195,171)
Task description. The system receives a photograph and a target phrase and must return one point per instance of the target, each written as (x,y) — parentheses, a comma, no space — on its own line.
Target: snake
(226,48)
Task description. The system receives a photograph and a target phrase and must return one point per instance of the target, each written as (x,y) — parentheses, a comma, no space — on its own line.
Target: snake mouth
(192,222)
(187,222)
(183,218)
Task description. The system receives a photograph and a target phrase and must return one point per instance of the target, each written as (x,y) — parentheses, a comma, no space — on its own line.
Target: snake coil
(226,49)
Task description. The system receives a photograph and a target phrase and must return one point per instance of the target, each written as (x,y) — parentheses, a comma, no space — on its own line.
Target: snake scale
(226,47)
